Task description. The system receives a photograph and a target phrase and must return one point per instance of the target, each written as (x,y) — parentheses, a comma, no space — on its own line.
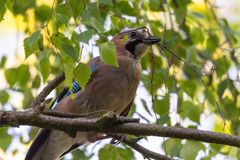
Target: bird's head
(134,41)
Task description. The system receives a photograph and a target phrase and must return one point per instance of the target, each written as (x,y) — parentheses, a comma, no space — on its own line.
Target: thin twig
(152,78)
(50,16)
(199,76)
(46,90)
(144,151)
(77,24)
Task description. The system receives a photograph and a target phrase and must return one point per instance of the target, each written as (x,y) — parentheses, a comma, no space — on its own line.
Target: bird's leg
(112,118)
(118,138)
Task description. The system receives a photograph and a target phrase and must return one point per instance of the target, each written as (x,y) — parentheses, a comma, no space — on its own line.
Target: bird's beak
(151,40)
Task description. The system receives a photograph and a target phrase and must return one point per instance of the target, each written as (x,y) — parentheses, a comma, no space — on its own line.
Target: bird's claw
(118,139)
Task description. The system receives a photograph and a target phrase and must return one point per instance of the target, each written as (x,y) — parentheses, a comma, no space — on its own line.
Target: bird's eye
(133,34)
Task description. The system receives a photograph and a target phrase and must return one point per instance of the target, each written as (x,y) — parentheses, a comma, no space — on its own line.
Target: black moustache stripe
(131,46)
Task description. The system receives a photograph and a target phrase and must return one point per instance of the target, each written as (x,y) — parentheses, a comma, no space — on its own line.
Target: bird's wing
(73,147)
(43,134)
(38,142)
(76,145)
(127,109)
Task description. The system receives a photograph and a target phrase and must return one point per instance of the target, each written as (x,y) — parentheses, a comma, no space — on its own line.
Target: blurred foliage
(56,33)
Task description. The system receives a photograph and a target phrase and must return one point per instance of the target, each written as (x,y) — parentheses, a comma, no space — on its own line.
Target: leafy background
(56,36)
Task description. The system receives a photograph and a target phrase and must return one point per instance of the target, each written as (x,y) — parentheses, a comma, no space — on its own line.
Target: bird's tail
(38,144)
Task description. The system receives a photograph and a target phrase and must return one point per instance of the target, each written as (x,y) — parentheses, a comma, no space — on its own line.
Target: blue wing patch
(75,87)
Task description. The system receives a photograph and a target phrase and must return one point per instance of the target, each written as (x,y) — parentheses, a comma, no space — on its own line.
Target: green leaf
(2,9)
(44,67)
(125,8)
(70,51)
(210,97)
(18,75)
(62,9)
(82,74)
(43,13)
(222,65)
(180,10)
(189,86)
(190,149)
(9,5)
(222,87)
(77,7)
(173,146)
(84,36)
(3,61)
(23,75)
(5,138)
(96,24)
(21,6)
(67,50)
(197,35)
(80,155)
(161,106)
(230,109)
(36,82)
(28,98)
(231,34)
(164,119)
(4,96)
(62,15)
(62,18)
(191,111)
(145,62)
(191,54)
(106,2)
(156,5)
(92,16)
(158,79)
(68,70)
(189,72)
(212,43)
(108,54)
(115,22)
(116,153)
(11,76)
(32,43)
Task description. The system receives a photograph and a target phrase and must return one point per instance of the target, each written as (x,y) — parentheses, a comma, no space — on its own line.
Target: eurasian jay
(109,89)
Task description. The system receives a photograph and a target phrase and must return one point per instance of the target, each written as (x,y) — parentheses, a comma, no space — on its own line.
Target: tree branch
(14,118)
(133,144)
(46,90)
(145,152)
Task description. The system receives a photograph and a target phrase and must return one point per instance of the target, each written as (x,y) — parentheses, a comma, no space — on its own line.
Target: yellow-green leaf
(44,67)
(108,54)
(82,74)
(33,43)
(68,69)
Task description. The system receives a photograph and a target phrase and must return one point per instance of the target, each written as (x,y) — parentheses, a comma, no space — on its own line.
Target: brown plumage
(109,89)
